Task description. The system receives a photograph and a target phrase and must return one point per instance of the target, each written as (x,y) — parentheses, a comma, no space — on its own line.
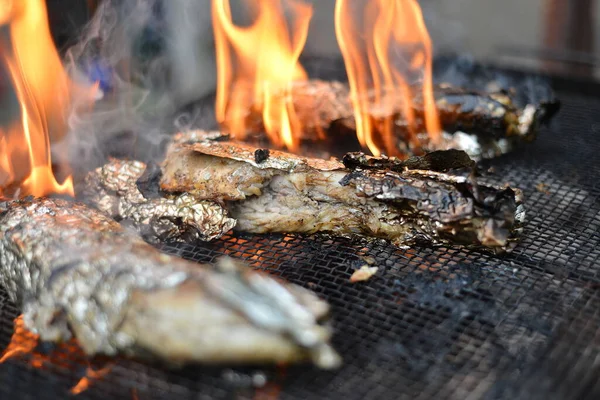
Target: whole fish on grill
(484,123)
(75,271)
(118,189)
(383,198)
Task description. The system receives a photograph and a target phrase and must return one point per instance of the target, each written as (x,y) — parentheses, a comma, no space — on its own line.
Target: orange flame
(44,93)
(23,344)
(384,54)
(257,65)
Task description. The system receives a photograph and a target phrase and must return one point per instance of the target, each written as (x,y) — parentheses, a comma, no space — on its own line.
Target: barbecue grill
(433,322)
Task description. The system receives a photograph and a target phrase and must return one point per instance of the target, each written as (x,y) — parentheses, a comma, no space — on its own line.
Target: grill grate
(433,323)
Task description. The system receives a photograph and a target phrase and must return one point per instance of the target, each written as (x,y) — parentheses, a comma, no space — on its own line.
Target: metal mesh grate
(433,323)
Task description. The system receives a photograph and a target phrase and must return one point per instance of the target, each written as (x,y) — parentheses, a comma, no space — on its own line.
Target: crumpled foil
(113,189)
(59,261)
(73,270)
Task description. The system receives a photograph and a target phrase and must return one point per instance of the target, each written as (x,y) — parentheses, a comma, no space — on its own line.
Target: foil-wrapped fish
(484,123)
(77,272)
(118,189)
(288,193)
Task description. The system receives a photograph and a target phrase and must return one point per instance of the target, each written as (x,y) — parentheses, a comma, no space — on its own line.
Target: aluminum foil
(60,262)
(76,272)
(113,189)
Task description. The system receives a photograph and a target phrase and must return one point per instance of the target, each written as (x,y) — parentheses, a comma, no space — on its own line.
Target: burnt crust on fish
(261,155)
(76,272)
(382,198)
(439,161)
(128,190)
(485,124)
(459,209)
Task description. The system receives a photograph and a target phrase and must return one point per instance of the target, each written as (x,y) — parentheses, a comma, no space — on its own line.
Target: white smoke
(154,57)
(147,66)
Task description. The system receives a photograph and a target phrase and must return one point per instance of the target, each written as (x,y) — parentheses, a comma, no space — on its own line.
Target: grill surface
(433,323)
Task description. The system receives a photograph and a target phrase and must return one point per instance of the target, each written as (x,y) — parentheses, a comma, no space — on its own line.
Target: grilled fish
(288,193)
(75,271)
(118,189)
(483,123)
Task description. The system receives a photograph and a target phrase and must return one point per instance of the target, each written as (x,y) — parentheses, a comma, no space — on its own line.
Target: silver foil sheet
(77,272)
(113,189)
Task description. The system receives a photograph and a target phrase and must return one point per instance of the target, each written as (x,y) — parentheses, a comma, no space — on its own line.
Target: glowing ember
(23,344)
(90,375)
(386,53)
(272,390)
(44,93)
(257,65)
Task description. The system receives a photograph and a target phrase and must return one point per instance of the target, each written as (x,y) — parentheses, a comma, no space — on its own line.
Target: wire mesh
(442,323)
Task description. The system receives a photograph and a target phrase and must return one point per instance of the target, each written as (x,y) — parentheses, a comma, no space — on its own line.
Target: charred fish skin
(495,114)
(115,189)
(77,272)
(444,209)
(442,185)
(372,197)
(439,161)
(486,124)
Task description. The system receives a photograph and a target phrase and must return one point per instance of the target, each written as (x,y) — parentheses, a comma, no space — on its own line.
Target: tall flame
(43,91)
(257,65)
(385,54)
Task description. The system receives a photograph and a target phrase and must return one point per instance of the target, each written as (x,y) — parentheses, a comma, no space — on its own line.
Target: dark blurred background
(67,17)
(557,36)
